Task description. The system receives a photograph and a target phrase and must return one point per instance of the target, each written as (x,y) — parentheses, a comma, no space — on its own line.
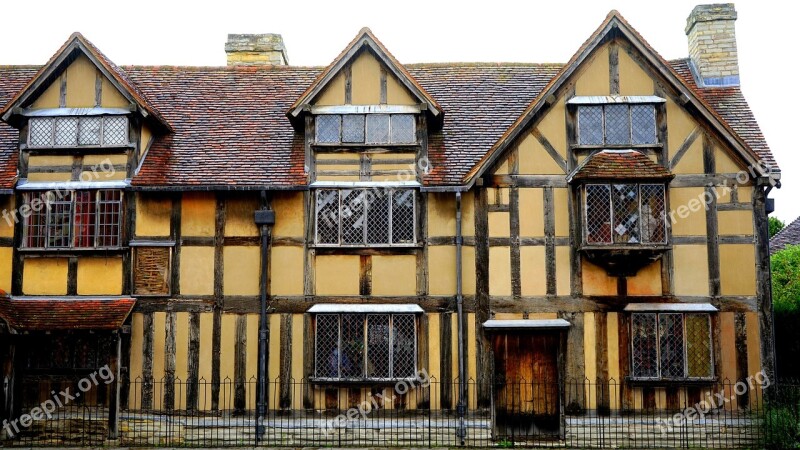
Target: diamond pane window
(366,217)
(590,125)
(66,131)
(617,125)
(645,346)
(329,128)
(625,214)
(653,213)
(354,346)
(670,336)
(115,130)
(353,217)
(643,124)
(598,214)
(353,128)
(671,346)
(40,132)
(403,129)
(327,348)
(378,129)
(73,219)
(327,216)
(378,214)
(698,345)
(90,131)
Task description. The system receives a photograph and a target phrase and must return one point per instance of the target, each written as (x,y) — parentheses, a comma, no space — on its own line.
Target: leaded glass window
(107,131)
(354,346)
(617,125)
(671,345)
(366,217)
(625,214)
(376,129)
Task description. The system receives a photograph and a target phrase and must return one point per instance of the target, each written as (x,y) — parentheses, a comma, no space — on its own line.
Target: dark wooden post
(114,363)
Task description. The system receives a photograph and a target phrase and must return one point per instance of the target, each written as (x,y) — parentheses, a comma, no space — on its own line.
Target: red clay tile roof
(619,164)
(231,131)
(12,80)
(790,235)
(66,314)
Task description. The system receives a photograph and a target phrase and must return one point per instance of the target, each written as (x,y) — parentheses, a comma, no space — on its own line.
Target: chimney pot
(256,50)
(712,44)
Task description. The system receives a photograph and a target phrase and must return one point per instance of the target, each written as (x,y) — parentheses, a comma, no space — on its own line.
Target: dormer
(365,118)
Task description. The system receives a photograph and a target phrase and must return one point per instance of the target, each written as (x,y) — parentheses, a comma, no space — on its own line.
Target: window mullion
(603,121)
(685,348)
(611,207)
(97,205)
(365,354)
(658,345)
(339,348)
(339,218)
(390,235)
(391,345)
(101,130)
(630,125)
(365,207)
(639,212)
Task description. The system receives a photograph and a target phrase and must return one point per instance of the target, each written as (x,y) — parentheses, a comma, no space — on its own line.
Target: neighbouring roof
(35,314)
(231,130)
(619,164)
(790,235)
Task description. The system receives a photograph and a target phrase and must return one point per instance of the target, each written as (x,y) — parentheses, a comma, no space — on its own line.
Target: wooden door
(526,384)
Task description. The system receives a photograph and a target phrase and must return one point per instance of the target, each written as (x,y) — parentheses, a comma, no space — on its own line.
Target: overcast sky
(194,33)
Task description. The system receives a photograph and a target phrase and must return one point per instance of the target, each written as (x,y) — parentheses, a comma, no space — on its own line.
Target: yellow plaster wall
(333,94)
(239,216)
(286,271)
(337,274)
(273,365)
(297,358)
(499,271)
(593,77)
(725,163)
(632,79)
(206,350)
(44,276)
(531,212)
(101,160)
(135,364)
(227,357)
(197,270)
(753,352)
(366,80)
(468,270)
(692,160)
(159,341)
(561,206)
(647,281)
(596,281)
(7,224)
(612,336)
(396,93)
(735,222)
(682,202)
(198,214)
(50,98)
(394,275)
(152,215)
(532,270)
(144,139)
(679,126)
(553,126)
(745,194)
(737,272)
(690,264)
(442,214)
(110,97)
(61,176)
(81,77)
(499,224)
(97,175)
(241,273)
(590,358)
(100,276)
(289,216)
(534,159)
(727,342)
(468,213)
(434,355)
(252,358)
(563,269)
(6,259)
(181,355)
(49,160)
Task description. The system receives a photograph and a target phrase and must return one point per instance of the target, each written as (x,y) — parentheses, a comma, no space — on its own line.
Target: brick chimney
(256,50)
(712,44)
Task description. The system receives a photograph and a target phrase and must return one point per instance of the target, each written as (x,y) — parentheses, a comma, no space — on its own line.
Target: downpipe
(264,219)
(461,407)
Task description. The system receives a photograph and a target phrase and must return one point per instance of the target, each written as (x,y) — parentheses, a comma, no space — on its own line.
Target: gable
(615,62)
(370,83)
(83,86)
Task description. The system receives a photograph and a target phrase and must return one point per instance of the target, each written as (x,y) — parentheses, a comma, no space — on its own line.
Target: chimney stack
(256,50)
(712,44)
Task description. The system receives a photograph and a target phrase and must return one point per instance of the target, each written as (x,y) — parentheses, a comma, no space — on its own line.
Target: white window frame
(365,377)
(365,241)
(685,376)
(611,208)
